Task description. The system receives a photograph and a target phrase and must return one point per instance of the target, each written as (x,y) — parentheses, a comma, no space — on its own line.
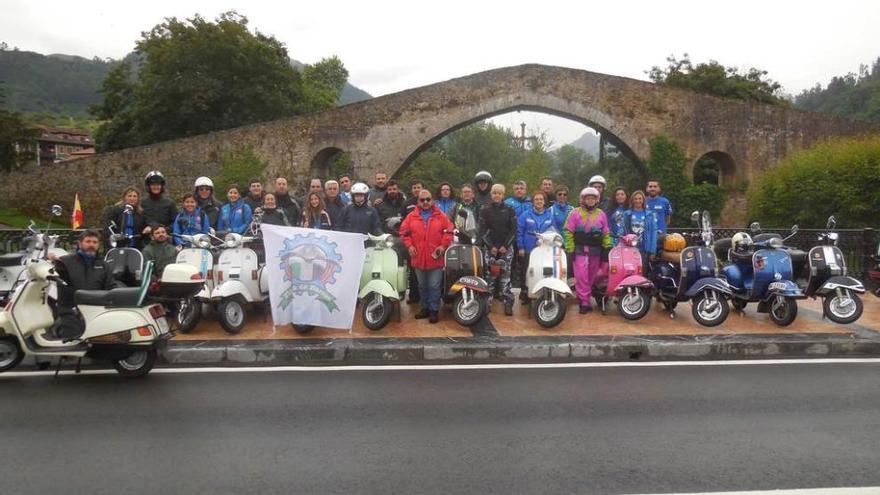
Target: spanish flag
(76,218)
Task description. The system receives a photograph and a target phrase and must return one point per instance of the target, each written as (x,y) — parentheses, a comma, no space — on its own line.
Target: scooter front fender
(707,283)
(634,281)
(468,282)
(381,287)
(790,289)
(554,284)
(231,288)
(841,282)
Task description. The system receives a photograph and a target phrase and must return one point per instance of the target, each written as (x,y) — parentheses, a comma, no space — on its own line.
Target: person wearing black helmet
(157,208)
(483,185)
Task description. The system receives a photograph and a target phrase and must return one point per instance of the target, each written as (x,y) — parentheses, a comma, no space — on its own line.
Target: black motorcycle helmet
(154,177)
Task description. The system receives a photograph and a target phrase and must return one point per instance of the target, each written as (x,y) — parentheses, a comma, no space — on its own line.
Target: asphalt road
(593,430)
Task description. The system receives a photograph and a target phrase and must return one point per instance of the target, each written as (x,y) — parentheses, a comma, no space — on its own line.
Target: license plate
(163,325)
(781,286)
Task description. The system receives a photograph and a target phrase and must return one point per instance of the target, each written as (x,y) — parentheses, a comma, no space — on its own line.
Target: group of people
(423,220)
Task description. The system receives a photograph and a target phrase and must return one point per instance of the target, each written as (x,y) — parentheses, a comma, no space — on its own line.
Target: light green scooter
(383,282)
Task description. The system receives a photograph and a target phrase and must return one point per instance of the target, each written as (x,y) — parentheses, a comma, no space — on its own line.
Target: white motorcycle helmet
(741,242)
(598,179)
(589,191)
(359,188)
(204,181)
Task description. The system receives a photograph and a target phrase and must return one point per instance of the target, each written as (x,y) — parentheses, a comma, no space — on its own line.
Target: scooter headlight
(204,242)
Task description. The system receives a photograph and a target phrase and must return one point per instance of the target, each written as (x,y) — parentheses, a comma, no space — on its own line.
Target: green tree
(839,177)
(715,79)
(198,76)
(535,166)
(853,95)
(668,165)
(15,137)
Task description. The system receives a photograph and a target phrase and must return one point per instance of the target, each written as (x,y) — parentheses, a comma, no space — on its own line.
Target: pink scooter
(625,281)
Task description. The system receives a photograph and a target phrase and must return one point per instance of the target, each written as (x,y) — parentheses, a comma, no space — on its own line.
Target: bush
(839,177)
(238,167)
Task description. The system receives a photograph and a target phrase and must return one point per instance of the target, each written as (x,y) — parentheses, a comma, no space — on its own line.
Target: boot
(424,313)
(433,317)
(508,309)
(585,308)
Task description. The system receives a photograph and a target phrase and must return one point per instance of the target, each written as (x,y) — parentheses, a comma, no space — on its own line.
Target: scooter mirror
(832,222)
(755,228)
(56,210)
(695,217)
(129,209)
(794,229)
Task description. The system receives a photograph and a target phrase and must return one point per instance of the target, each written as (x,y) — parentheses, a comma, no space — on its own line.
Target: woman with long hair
(127,216)
(445,198)
(314,214)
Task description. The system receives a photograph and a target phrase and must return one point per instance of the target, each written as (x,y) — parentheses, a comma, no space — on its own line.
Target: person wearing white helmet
(203,189)
(600,184)
(359,216)
(587,237)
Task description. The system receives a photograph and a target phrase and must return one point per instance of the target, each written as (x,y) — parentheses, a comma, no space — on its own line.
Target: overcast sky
(391,46)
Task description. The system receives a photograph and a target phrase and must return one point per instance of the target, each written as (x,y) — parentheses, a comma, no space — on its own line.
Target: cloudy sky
(391,46)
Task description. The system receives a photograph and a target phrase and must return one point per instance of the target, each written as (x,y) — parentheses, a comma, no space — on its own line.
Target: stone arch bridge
(387,132)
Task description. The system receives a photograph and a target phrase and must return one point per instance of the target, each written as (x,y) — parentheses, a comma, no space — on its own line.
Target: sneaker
(585,308)
(424,313)
(433,317)
(508,309)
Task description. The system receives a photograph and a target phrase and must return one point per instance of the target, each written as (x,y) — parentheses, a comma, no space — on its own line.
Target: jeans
(430,285)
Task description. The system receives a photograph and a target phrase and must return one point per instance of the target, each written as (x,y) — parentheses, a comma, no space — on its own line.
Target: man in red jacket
(426,233)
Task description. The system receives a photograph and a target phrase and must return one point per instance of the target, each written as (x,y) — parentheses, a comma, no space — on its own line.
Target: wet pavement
(657,322)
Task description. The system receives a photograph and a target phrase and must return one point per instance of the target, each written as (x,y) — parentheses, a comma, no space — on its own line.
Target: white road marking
(867,490)
(441,367)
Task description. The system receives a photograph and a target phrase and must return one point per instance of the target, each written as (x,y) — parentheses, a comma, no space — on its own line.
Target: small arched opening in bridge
(715,167)
(565,147)
(330,163)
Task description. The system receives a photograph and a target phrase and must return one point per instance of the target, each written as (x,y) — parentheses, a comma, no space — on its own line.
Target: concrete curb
(482,350)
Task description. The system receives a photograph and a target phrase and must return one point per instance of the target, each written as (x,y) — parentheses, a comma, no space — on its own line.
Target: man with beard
(391,204)
(82,270)
(286,203)
(379,185)
(254,199)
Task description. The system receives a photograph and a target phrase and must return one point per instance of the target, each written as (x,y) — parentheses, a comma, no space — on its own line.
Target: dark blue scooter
(692,275)
(762,272)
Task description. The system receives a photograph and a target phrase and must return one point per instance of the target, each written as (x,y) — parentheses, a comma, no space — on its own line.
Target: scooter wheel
(137,364)
(470,315)
(634,306)
(232,316)
(376,311)
(10,353)
(783,311)
(839,310)
(547,311)
(709,312)
(188,315)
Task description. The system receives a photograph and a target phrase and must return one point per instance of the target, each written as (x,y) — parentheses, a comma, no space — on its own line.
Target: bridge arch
(715,167)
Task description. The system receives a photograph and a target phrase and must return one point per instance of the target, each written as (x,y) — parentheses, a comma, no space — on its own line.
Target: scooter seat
(10,260)
(127,297)
(671,256)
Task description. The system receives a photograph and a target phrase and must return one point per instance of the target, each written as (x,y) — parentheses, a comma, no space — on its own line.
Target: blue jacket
(235,217)
(445,204)
(529,223)
(197,223)
(648,221)
(560,215)
(519,205)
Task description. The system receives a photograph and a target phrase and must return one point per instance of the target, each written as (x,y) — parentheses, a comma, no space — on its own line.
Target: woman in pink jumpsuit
(587,235)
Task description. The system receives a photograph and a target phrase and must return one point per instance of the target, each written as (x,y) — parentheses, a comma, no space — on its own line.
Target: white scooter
(123,326)
(200,255)
(38,246)
(240,282)
(547,279)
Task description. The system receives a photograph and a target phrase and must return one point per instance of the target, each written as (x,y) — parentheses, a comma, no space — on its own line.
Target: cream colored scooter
(123,326)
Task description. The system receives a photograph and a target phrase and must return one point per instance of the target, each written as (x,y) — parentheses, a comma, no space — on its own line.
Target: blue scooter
(762,272)
(691,274)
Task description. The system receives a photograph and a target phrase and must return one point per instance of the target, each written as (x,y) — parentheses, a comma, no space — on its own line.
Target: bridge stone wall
(386,133)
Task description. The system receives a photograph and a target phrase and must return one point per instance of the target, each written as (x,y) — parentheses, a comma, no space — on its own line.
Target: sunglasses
(562,194)
(425,200)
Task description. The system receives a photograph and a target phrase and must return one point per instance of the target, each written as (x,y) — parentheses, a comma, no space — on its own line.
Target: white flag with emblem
(313,275)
